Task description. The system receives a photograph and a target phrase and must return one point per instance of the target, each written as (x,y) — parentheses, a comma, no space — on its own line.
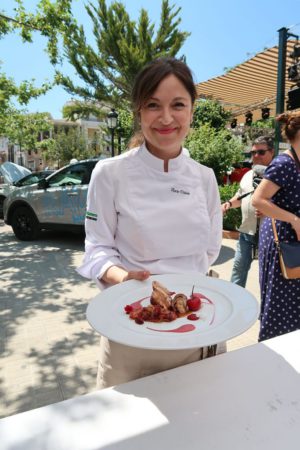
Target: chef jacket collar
(157,163)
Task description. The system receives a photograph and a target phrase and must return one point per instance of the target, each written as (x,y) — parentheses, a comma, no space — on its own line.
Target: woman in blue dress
(278,197)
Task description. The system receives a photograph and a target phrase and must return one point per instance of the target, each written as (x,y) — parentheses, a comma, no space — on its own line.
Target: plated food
(226,311)
(165,306)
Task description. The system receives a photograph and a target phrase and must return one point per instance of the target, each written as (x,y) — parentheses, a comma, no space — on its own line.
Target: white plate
(233,310)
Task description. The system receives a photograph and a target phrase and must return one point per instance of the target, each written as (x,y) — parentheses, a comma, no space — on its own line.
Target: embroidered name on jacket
(91,216)
(180,191)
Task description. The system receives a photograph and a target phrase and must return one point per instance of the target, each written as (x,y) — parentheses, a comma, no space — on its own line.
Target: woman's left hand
(117,274)
(139,275)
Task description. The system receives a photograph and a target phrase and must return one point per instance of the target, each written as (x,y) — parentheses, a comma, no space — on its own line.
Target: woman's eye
(179,105)
(152,105)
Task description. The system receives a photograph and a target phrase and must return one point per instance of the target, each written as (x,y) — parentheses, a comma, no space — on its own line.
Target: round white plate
(227,311)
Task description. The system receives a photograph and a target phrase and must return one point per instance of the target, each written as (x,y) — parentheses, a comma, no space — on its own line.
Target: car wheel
(25,224)
(1,206)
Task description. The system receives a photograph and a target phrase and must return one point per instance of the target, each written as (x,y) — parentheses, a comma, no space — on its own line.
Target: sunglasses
(259,152)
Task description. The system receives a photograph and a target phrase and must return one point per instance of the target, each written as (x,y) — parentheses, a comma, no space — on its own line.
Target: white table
(242,400)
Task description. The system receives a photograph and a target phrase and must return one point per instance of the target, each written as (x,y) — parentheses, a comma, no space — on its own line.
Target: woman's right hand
(296,225)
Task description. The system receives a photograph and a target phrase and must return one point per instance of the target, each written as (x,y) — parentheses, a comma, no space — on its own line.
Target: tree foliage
(126,124)
(63,146)
(210,112)
(50,18)
(216,149)
(107,67)
(23,129)
(47,20)
(233,217)
(76,108)
(259,128)
(264,123)
(22,93)
(122,47)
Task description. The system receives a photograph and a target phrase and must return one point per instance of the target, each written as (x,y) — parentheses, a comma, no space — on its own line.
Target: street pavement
(48,351)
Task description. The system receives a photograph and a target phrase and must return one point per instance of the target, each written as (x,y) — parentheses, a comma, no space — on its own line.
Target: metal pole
(283,34)
(119,143)
(112,142)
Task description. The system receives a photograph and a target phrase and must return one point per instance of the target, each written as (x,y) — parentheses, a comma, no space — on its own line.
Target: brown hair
(290,124)
(264,140)
(153,73)
(136,140)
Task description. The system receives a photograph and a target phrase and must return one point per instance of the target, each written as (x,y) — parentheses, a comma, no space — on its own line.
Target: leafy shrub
(216,149)
(232,219)
(210,112)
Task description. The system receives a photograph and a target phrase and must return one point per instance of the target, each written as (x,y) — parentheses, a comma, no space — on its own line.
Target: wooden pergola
(249,86)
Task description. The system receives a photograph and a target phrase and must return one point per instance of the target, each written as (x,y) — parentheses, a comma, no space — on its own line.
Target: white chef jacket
(142,218)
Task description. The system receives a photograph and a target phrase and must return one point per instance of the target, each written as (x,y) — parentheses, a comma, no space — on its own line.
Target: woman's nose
(166,116)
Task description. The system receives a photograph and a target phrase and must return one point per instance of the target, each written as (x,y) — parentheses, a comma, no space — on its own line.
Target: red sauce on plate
(182,329)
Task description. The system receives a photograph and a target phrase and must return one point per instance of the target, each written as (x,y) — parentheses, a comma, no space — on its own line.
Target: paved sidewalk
(224,267)
(48,352)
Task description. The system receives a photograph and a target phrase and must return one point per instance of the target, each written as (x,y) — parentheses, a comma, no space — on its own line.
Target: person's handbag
(289,256)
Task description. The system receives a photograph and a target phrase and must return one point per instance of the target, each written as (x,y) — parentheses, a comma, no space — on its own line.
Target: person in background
(262,154)
(278,197)
(152,210)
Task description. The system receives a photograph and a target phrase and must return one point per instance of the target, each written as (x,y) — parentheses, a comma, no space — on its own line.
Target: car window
(90,165)
(74,175)
(31,179)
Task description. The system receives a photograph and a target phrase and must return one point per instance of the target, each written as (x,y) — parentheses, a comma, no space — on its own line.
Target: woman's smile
(165,130)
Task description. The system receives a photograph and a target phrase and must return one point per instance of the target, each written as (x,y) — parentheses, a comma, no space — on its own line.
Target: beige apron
(120,363)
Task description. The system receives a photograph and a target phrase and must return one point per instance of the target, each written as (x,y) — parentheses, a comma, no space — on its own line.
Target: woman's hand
(296,225)
(139,275)
(225,207)
(116,274)
(258,214)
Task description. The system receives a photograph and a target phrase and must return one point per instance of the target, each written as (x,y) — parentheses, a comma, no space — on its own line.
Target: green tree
(64,145)
(258,128)
(10,92)
(125,126)
(122,47)
(24,129)
(47,20)
(76,108)
(264,123)
(233,218)
(216,149)
(210,112)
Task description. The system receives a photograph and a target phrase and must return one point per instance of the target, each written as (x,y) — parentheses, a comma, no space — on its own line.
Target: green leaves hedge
(216,149)
(232,219)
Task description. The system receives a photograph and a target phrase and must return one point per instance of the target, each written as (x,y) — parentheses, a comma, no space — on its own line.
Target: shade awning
(251,85)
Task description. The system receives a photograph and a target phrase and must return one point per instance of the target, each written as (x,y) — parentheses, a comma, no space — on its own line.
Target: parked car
(33,177)
(55,202)
(10,173)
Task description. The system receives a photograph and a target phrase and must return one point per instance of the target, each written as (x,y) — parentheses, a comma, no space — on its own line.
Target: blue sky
(223,34)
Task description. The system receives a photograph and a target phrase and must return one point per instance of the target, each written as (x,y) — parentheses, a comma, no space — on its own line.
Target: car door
(64,199)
